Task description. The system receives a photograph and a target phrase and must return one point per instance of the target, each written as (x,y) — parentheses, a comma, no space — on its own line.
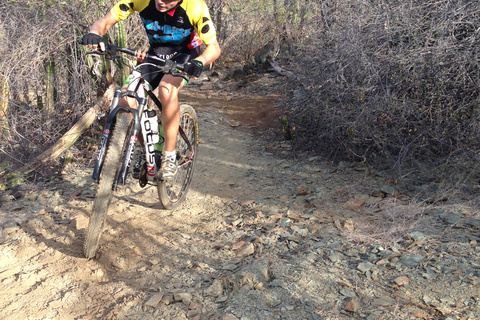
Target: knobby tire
(111,166)
(172,193)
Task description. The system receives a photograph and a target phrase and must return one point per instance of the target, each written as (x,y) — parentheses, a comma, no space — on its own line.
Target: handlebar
(167,66)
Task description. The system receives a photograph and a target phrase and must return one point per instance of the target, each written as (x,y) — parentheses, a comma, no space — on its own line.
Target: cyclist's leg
(168,95)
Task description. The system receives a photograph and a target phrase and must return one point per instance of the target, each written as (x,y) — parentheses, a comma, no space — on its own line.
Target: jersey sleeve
(124,8)
(202,22)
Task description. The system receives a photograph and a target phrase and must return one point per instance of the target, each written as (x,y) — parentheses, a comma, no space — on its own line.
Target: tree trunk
(76,131)
(282,71)
(64,143)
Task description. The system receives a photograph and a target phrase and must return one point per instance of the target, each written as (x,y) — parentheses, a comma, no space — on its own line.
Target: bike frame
(137,88)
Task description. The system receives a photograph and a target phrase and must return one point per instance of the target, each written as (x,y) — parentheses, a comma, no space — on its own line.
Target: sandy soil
(262,235)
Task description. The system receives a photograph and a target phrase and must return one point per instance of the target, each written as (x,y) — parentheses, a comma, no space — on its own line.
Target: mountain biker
(175,29)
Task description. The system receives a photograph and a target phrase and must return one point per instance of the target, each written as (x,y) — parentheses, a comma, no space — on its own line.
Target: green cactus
(287,129)
(122,42)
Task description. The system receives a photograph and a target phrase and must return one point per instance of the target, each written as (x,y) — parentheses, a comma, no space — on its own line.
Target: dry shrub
(245,27)
(50,82)
(392,83)
(42,65)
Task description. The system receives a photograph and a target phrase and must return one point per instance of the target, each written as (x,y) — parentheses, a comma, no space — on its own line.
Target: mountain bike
(125,128)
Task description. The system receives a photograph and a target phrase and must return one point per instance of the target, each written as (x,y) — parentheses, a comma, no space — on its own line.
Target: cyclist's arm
(102,25)
(210,54)
(199,17)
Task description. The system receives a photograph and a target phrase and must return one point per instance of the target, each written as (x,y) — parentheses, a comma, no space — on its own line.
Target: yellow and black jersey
(181,29)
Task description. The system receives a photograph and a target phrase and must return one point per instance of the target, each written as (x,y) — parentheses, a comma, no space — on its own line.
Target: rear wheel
(172,193)
(110,169)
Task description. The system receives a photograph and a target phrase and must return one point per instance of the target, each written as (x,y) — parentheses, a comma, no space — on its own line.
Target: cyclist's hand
(94,41)
(194,68)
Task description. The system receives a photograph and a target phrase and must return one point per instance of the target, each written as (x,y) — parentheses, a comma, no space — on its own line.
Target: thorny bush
(391,83)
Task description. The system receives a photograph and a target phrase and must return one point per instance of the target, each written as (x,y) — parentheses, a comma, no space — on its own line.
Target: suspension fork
(115,109)
(134,132)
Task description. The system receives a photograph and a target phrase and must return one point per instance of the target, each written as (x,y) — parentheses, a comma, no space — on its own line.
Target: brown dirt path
(261,236)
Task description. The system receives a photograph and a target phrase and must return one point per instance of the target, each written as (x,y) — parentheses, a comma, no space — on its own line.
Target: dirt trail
(261,236)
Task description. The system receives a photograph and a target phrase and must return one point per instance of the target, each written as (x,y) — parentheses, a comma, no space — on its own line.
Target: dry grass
(391,223)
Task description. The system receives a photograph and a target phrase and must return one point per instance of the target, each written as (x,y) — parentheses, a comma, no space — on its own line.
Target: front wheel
(110,169)
(172,193)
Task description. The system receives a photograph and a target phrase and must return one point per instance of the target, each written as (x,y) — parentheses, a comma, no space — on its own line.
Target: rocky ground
(264,234)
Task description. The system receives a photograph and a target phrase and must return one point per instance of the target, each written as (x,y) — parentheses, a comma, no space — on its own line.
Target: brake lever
(174,71)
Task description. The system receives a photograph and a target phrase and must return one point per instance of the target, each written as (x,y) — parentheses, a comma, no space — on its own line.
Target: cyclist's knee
(167,95)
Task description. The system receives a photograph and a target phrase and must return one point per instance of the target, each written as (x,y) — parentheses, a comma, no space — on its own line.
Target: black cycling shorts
(153,76)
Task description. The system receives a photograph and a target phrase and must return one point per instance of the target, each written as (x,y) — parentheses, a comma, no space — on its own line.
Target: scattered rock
(303,191)
(348,224)
(167,299)
(365,266)
(378,194)
(417,235)
(120,263)
(221,299)
(238,245)
(233,123)
(388,190)
(384,302)
(450,218)
(216,289)
(336,257)
(402,281)
(354,204)
(154,300)
(184,297)
(193,313)
(353,305)
(246,250)
(253,276)
(411,260)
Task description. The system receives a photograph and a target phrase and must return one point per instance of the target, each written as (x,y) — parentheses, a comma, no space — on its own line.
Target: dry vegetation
(391,83)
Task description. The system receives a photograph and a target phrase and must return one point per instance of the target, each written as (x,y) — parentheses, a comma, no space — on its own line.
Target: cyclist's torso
(179,30)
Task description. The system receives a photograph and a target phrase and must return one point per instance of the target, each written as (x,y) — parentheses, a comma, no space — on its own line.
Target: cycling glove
(92,39)
(194,68)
